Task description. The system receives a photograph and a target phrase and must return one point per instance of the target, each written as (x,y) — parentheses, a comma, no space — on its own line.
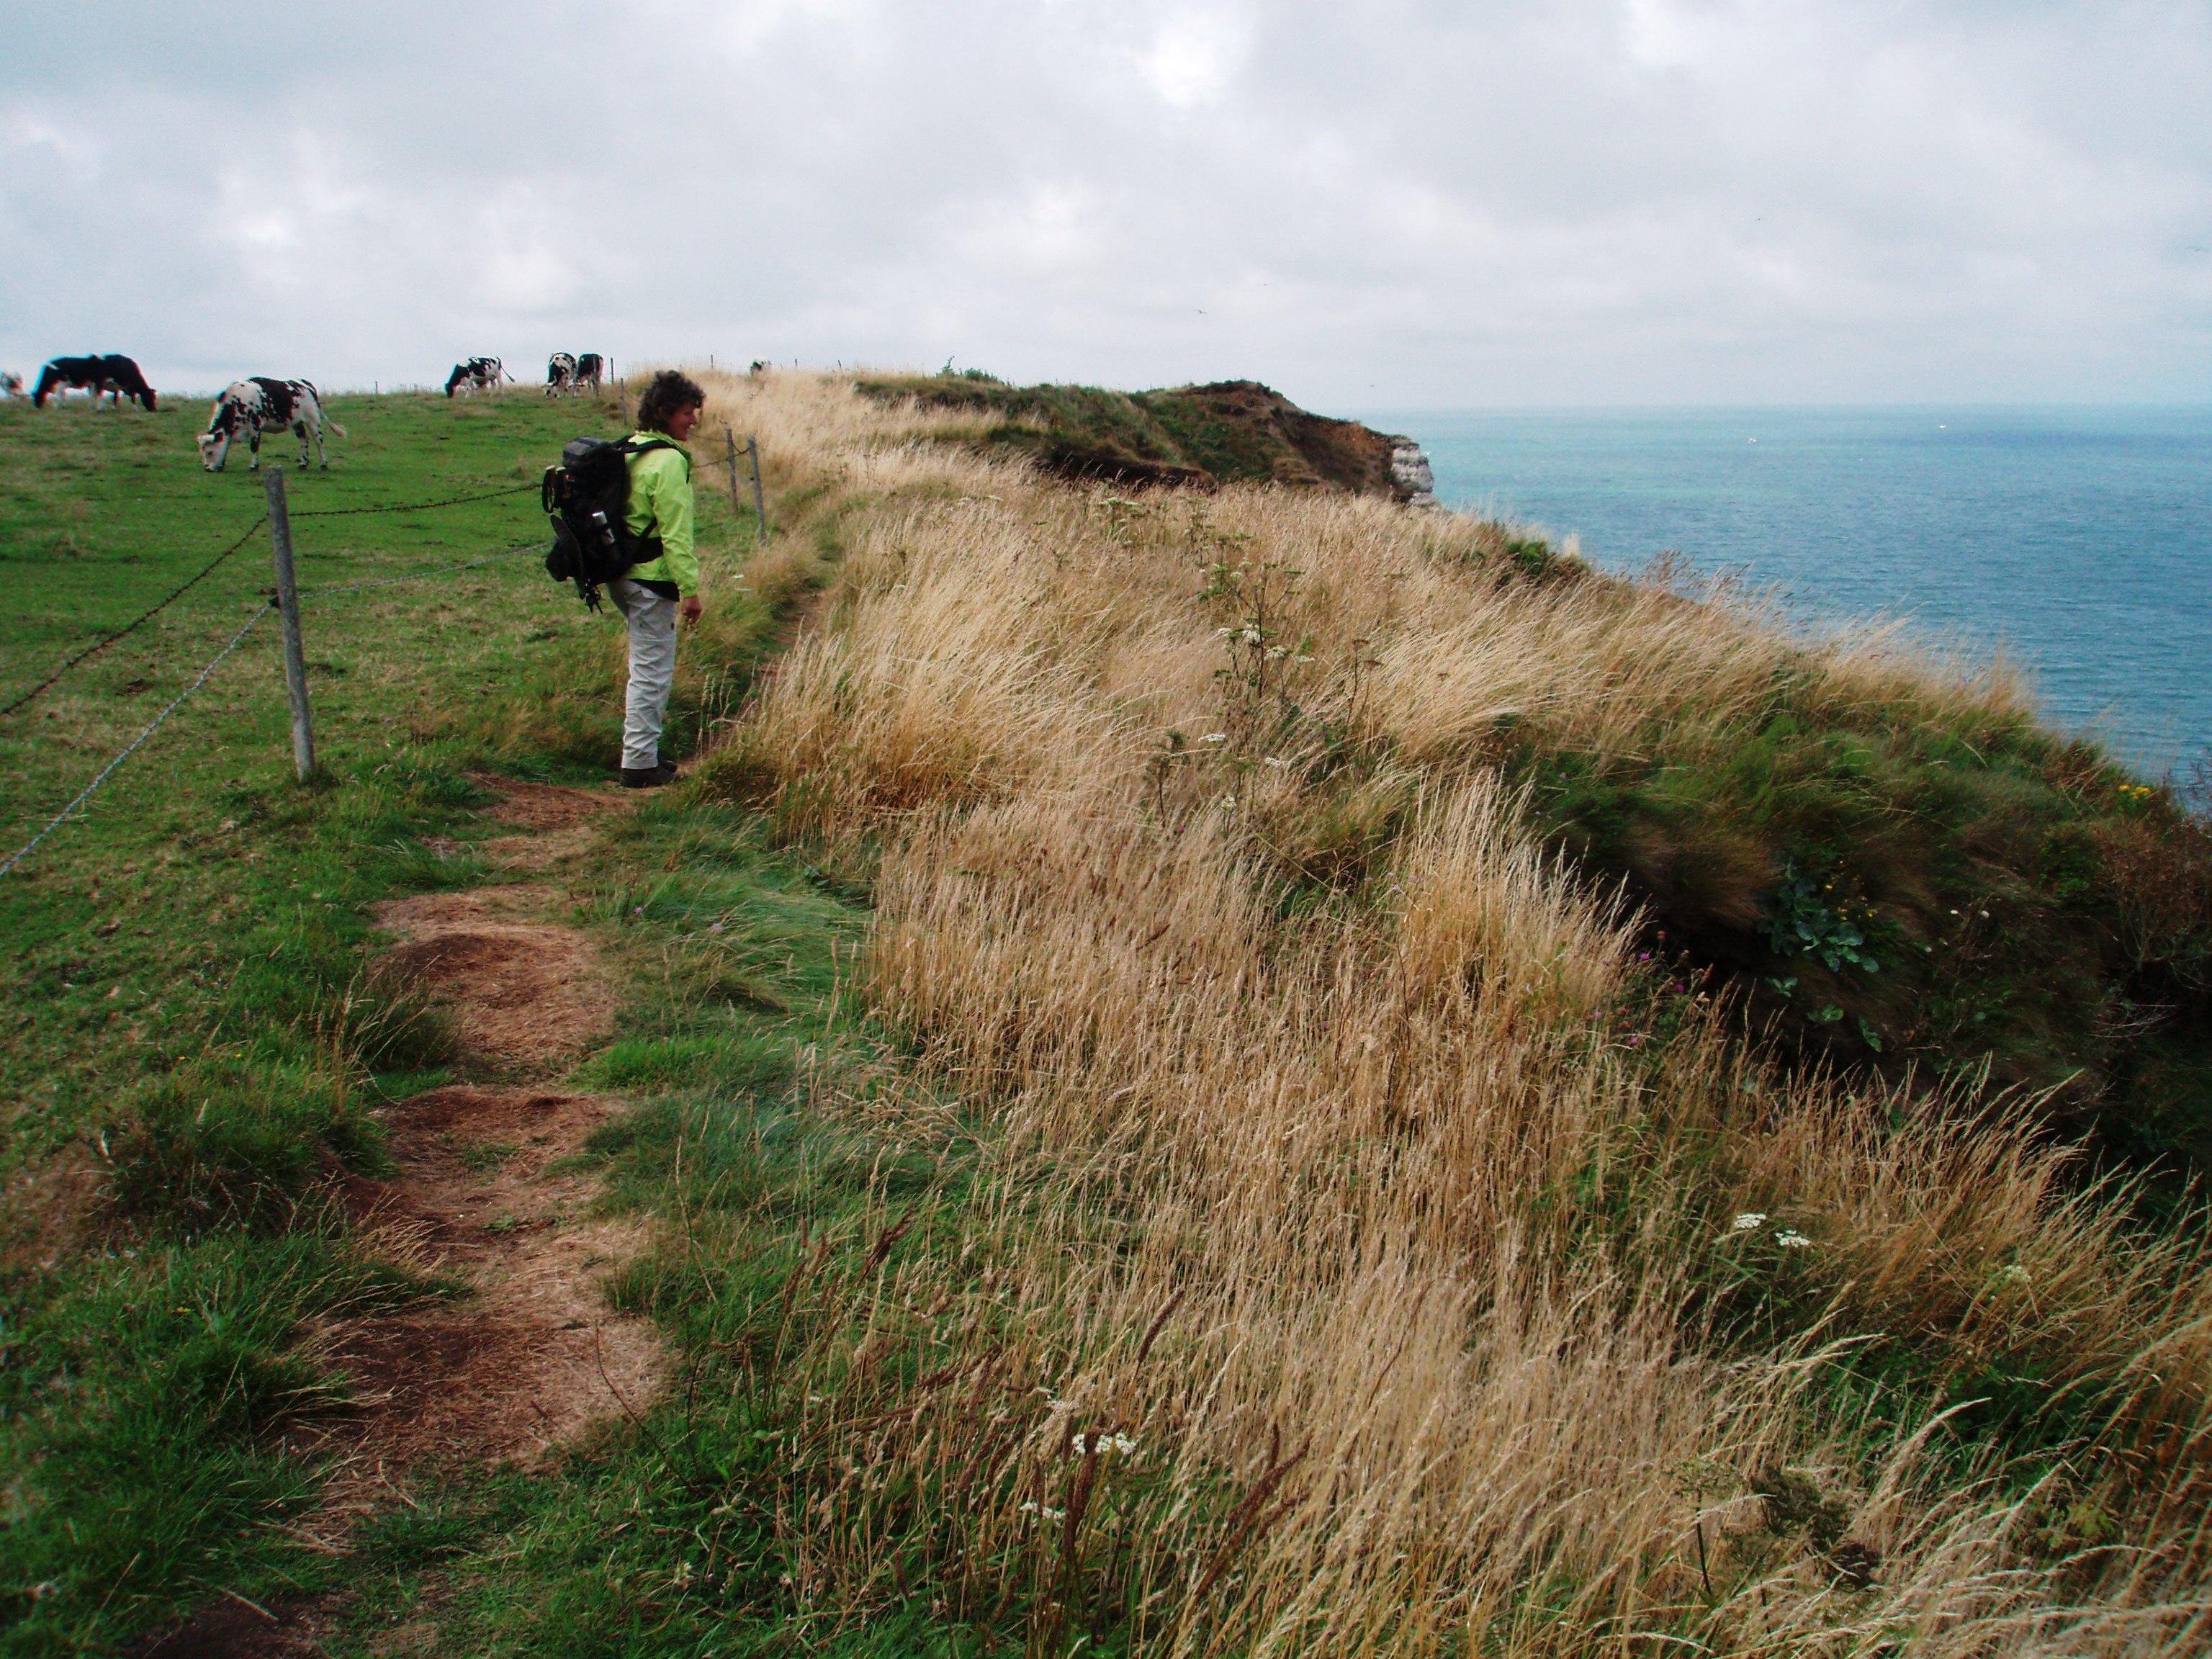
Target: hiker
(652,594)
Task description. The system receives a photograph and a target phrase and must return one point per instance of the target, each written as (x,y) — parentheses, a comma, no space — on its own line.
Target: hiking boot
(649,777)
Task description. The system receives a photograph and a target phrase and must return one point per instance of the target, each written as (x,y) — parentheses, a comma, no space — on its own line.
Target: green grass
(192,1046)
(1948,896)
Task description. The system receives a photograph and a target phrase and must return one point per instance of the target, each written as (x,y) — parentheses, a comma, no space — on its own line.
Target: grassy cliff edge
(1218,1065)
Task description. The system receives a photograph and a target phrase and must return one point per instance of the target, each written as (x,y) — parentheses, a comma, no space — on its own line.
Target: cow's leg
(322,449)
(255,443)
(303,428)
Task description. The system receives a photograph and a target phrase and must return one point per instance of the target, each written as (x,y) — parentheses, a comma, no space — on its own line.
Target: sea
(2077,542)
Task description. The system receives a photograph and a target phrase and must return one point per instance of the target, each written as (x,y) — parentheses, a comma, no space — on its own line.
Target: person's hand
(692,608)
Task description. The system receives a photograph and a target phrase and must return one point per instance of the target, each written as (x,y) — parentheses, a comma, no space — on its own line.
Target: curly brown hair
(665,393)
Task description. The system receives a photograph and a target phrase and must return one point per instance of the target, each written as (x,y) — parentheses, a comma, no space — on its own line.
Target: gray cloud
(1390,204)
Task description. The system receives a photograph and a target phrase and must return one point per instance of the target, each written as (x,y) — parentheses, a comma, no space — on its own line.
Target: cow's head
(228,414)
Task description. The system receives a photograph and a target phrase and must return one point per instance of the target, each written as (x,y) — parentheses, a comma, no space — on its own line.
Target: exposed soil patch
(555,825)
(532,1355)
(232,1629)
(525,995)
(542,807)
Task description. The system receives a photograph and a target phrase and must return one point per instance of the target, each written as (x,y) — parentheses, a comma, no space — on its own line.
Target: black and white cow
(11,383)
(591,369)
(111,375)
(477,374)
(560,373)
(250,408)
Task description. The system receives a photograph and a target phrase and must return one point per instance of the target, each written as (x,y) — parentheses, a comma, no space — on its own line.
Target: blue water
(2078,541)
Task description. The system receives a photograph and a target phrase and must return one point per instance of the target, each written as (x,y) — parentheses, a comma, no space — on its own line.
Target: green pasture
(125,923)
(190,1041)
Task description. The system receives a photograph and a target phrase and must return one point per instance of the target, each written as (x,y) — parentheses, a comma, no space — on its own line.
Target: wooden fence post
(737,507)
(288,611)
(760,502)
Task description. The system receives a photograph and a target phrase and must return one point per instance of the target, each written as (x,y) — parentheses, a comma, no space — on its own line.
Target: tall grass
(1370,1253)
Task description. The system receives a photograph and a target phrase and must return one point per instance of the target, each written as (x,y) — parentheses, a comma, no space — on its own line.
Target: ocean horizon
(2075,539)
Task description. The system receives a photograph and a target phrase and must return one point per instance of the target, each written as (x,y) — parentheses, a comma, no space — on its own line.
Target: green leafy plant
(1805,920)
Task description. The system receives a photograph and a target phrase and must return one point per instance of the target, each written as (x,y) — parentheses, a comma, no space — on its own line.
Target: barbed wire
(410,507)
(239,638)
(100,645)
(413,576)
(152,727)
(103,645)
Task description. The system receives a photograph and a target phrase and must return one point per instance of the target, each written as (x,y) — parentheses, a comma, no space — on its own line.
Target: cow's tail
(316,392)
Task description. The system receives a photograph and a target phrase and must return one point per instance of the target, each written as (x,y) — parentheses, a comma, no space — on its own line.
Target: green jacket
(660,505)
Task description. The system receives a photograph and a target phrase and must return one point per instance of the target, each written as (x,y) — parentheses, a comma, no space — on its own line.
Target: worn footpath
(486,1192)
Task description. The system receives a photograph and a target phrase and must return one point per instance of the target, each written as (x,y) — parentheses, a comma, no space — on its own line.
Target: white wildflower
(1793,1241)
(1277,760)
(2018,1274)
(1215,737)
(1123,1444)
(1749,1220)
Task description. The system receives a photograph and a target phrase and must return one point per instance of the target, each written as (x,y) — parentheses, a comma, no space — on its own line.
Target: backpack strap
(639,446)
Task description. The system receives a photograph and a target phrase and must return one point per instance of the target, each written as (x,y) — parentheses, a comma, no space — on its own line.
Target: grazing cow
(101,376)
(261,405)
(477,374)
(560,373)
(120,377)
(591,369)
(11,383)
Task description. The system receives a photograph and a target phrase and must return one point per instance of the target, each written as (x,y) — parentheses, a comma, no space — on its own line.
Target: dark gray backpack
(587,495)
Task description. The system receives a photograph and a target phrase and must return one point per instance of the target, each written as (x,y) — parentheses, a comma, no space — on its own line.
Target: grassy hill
(1191,436)
(1211,1069)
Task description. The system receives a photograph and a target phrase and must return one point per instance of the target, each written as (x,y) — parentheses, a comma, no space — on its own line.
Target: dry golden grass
(1387,1224)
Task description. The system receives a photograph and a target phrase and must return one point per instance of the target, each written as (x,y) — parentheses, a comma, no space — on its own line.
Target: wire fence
(97,646)
(330,590)
(413,506)
(209,569)
(152,727)
(413,576)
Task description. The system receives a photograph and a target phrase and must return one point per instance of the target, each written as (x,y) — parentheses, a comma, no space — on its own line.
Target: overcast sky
(1392,206)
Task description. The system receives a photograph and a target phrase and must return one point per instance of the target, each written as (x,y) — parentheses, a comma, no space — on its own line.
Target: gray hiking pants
(652,622)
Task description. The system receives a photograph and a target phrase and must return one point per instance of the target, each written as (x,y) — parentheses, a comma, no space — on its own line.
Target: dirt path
(527,1355)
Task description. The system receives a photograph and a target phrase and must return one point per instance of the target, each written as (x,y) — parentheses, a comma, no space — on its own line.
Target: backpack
(587,494)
